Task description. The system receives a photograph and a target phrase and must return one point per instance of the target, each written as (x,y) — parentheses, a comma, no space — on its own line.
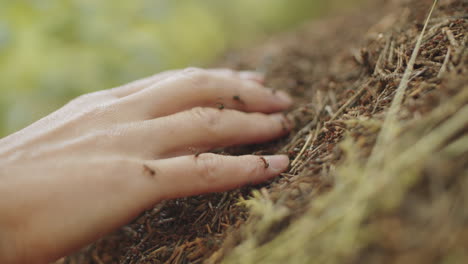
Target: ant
(220,106)
(148,170)
(265,162)
(238,99)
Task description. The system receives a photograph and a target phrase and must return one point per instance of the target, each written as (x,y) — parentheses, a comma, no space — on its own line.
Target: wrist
(8,245)
(8,238)
(11,153)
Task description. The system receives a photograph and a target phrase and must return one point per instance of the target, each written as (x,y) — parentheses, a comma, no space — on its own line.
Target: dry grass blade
(349,102)
(301,152)
(390,127)
(444,67)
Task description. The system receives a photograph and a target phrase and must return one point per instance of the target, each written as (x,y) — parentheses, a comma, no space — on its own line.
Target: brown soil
(339,69)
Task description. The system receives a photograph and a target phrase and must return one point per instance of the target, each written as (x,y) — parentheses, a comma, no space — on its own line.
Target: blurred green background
(54,50)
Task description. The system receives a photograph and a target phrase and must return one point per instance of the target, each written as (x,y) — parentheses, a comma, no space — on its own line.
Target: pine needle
(390,127)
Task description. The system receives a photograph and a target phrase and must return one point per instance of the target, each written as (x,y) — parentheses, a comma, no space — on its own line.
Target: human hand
(105,157)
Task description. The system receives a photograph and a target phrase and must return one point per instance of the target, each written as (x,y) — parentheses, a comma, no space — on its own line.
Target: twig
(300,167)
(329,110)
(451,37)
(349,102)
(306,144)
(378,65)
(318,129)
(443,69)
(299,135)
(435,28)
(389,127)
(391,54)
(400,53)
(303,130)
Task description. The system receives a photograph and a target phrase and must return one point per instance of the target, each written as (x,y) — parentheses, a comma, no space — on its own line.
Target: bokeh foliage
(54,50)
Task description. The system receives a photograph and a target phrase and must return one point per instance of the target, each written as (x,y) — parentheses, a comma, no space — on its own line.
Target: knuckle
(228,72)
(81,100)
(121,168)
(254,167)
(90,96)
(192,70)
(102,110)
(83,97)
(106,139)
(208,118)
(196,76)
(89,99)
(100,139)
(208,167)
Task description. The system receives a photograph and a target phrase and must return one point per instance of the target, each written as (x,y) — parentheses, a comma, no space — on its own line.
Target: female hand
(105,157)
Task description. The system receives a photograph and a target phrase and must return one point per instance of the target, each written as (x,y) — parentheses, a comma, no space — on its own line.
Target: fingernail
(286,123)
(283,120)
(284,97)
(277,163)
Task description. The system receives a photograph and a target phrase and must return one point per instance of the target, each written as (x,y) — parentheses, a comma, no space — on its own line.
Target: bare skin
(102,159)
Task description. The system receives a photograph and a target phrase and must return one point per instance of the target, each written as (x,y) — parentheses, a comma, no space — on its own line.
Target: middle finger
(201,129)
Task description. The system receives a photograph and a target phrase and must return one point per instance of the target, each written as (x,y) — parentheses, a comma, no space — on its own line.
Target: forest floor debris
(344,199)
